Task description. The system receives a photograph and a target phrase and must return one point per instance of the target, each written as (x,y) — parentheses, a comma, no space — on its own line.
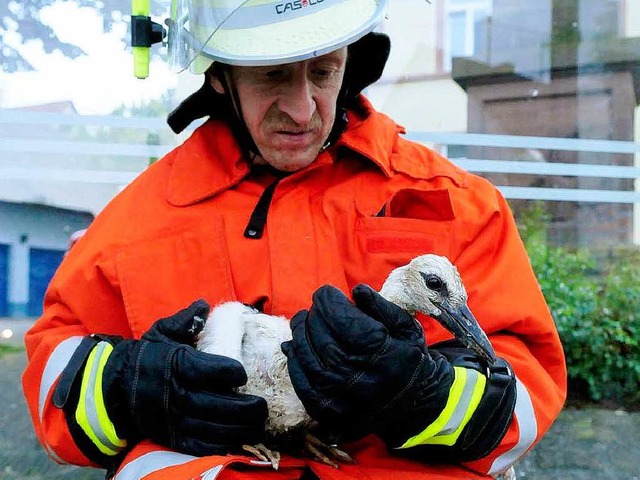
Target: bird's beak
(465,327)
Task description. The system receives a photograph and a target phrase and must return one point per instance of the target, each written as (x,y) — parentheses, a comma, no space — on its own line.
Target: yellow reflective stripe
(103,417)
(464,397)
(91,413)
(477,389)
(455,392)
(81,411)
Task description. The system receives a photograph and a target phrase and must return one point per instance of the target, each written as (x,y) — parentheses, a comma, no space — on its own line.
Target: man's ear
(216,84)
(213,76)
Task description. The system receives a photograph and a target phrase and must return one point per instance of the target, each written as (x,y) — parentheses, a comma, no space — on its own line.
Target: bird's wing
(224,330)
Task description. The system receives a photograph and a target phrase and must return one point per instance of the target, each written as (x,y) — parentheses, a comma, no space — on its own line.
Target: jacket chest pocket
(387,242)
(411,222)
(161,276)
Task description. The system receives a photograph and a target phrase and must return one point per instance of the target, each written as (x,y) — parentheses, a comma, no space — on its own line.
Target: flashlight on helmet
(144,33)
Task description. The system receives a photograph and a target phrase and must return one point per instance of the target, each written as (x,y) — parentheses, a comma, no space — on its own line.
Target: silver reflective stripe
(151,462)
(90,402)
(464,396)
(53,455)
(463,404)
(526,418)
(211,474)
(57,362)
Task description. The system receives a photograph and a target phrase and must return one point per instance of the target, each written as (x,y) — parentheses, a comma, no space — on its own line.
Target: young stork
(429,284)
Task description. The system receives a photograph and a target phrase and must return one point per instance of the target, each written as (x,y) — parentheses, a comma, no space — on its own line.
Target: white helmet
(265,32)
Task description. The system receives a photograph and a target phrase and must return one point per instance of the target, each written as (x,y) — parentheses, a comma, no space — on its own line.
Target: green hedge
(596,307)
(5,349)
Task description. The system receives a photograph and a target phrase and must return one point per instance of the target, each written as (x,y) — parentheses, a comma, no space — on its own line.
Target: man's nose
(297,99)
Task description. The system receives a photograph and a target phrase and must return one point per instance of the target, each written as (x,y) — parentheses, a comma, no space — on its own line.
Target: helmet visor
(265,32)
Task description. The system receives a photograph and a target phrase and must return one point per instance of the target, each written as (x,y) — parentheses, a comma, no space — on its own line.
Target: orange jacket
(176,234)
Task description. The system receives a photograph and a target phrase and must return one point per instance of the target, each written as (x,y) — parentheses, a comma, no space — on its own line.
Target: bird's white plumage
(241,332)
(253,338)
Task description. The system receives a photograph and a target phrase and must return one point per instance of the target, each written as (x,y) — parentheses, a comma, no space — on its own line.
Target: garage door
(4,280)
(42,265)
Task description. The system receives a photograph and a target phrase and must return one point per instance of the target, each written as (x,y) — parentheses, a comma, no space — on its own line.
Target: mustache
(280,121)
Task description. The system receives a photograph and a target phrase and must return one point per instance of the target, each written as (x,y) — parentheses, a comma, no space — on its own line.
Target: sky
(96,83)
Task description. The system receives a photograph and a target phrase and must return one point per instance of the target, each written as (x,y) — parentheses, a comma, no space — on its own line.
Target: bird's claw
(265,454)
(317,448)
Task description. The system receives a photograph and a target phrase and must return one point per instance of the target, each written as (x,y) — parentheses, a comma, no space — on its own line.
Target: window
(466,28)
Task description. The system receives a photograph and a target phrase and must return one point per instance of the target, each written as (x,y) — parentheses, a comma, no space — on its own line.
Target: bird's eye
(434,283)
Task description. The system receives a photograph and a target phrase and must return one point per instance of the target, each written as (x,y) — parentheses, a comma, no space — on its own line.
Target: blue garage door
(4,280)
(42,265)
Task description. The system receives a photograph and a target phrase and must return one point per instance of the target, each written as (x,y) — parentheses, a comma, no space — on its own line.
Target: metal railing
(545,168)
(14,143)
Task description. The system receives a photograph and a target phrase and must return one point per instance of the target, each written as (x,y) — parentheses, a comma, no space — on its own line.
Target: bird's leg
(317,448)
(265,454)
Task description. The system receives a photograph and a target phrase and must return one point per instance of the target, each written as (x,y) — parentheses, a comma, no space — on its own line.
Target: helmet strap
(238,125)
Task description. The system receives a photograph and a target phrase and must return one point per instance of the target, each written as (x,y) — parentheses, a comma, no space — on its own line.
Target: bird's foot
(265,454)
(327,454)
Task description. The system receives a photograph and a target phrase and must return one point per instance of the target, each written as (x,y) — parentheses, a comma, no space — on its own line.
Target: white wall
(434,105)
(632,20)
(412,26)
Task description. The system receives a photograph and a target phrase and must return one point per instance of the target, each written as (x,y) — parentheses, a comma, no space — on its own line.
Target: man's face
(289,109)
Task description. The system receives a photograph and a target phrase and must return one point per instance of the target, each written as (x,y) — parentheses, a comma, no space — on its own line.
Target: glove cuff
(494,413)
(91,412)
(114,389)
(478,410)
(402,423)
(463,399)
(82,394)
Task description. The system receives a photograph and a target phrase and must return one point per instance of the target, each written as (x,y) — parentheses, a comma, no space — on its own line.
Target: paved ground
(12,331)
(582,445)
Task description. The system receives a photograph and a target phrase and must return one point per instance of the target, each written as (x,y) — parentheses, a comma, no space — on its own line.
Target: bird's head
(424,285)
(432,285)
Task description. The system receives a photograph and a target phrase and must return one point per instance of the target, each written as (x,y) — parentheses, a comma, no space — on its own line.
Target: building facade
(33,240)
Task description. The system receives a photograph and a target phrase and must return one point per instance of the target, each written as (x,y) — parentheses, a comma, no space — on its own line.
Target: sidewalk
(588,444)
(21,456)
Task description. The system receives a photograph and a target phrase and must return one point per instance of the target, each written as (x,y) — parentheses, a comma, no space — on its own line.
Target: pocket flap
(161,276)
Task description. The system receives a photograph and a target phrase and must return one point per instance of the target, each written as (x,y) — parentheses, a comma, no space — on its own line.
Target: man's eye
(271,74)
(322,72)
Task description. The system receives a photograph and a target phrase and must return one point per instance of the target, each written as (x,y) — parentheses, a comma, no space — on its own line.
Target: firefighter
(294,188)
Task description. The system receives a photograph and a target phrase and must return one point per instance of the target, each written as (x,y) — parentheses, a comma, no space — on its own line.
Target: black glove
(366,368)
(163,389)
(348,367)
